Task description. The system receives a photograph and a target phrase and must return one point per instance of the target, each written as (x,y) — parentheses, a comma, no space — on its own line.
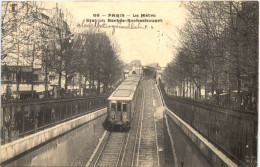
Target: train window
(118,106)
(124,107)
(113,106)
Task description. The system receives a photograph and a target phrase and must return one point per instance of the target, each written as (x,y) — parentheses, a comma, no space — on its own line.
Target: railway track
(138,146)
(111,152)
(147,148)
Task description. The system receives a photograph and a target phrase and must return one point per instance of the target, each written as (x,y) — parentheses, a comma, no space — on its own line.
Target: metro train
(121,103)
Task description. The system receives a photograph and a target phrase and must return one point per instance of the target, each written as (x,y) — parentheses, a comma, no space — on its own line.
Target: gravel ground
(90,146)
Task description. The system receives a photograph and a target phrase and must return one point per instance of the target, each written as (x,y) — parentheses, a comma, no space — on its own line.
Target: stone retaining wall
(19,146)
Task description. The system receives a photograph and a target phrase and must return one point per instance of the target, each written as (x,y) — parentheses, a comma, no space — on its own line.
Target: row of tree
(98,60)
(95,58)
(46,38)
(92,57)
(219,53)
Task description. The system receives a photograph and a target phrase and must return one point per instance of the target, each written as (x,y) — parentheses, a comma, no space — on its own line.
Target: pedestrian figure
(76,109)
(53,115)
(7,121)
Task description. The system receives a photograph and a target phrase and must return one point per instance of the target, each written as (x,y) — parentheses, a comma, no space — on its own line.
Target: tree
(97,59)
(15,17)
(60,45)
(219,48)
(22,36)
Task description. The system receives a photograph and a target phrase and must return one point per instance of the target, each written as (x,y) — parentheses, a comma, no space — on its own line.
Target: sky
(155,44)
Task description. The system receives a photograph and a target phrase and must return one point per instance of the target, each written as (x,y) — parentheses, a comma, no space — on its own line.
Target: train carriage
(122,103)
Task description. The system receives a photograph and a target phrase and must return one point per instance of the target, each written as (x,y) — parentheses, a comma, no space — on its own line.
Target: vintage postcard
(129,83)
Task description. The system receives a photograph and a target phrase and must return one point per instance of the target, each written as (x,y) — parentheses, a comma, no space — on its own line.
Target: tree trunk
(32,76)
(93,83)
(85,87)
(212,86)
(183,88)
(17,86)
(98,86)
(90,83)
(105,87)
(59,83)
(190,91)
(80,84)
(238,89)
(66,82)
(61,60)
(199,92)
(46,75)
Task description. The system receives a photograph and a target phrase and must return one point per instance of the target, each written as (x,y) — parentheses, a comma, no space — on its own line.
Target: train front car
(122,103)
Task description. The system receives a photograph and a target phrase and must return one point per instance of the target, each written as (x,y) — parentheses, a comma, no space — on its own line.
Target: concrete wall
(215,156)
(19,146)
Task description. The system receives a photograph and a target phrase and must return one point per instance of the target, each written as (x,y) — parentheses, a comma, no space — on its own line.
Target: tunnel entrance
(149,71)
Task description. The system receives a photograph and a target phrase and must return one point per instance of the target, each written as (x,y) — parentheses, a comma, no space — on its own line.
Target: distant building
(126,73)
(159,72)
(16,82)
(135,67)
(35,35)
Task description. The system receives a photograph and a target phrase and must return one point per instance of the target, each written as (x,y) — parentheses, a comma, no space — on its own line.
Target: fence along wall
(232,132)
(24,118)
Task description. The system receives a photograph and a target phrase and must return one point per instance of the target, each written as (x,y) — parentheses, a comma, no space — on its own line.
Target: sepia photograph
(129,83)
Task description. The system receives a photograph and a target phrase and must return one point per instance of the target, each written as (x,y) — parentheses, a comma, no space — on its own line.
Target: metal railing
(19,119)
(233,132)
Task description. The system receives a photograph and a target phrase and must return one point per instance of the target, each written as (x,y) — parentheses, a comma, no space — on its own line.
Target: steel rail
(138,126)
